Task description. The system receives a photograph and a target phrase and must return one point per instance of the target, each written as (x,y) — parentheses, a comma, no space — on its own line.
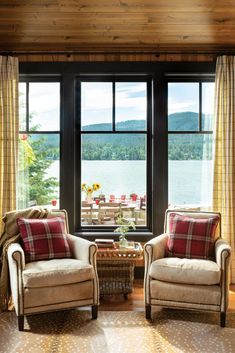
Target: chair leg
(222,319)
(94,311)
(21,323)
(148,312)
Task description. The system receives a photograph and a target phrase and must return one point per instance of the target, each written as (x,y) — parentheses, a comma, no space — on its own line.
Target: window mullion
(200,107)
(27,106)
(114,107)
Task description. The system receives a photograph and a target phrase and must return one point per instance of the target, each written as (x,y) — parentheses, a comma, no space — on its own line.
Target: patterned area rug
(73,331)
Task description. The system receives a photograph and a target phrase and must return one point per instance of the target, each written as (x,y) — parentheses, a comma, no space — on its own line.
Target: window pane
(208,105)
(131,106)
(183,106)
(22,106)
(118,163)
(190,170)
(96,106)
(38,171)
(44,106)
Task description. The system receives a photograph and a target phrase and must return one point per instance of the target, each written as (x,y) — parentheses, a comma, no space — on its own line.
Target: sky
(44,104)
(185,97)
(131,100)
(96,101)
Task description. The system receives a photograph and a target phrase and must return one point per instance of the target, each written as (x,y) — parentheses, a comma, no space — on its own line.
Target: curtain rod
(143,52)
(157,53)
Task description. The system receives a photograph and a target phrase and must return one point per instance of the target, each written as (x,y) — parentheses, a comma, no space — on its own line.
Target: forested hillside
(121,146)
(133,147)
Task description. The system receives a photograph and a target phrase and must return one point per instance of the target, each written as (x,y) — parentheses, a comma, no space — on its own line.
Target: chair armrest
(155,248)
(82,249)
(15,255)
(16,263)
(222,253)
(223,257)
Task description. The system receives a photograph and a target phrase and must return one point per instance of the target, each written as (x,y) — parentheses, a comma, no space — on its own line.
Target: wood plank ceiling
(117,26)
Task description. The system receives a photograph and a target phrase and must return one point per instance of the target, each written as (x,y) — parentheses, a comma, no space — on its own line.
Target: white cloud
(99,96)
(44,105)
(96,96)
(44,96)
(97,102)
(178,107)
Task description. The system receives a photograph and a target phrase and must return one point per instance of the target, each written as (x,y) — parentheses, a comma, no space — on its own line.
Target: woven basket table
(115,268)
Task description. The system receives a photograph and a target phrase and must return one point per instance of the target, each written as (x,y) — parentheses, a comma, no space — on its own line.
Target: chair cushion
(56,272)
(189,271)
(191,237)
(187,296)
(44,238)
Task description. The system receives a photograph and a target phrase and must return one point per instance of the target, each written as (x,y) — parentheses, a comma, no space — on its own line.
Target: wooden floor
(135,301)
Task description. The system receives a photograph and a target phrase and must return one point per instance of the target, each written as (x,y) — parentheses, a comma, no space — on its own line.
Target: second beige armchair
(185,283)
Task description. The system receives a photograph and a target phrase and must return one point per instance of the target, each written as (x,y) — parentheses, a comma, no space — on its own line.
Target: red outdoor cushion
(44,239)
(191,238)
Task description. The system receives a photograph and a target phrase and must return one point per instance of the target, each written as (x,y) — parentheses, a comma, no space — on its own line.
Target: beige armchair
(56,284)
(187,283)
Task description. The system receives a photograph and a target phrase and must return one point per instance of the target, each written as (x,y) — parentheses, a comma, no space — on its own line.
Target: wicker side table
(116,268)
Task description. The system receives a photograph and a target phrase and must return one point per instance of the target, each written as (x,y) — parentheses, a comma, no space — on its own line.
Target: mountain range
(183,121)
(129,146)
(133,146)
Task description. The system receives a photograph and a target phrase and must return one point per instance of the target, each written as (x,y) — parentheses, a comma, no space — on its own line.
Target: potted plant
(123,229)
(133,196)
(102,197)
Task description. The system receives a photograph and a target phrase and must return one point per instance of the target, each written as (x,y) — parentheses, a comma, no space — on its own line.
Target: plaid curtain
(9,127)
(224,156)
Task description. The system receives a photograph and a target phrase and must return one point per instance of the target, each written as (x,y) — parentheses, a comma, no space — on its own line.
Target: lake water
(189,181)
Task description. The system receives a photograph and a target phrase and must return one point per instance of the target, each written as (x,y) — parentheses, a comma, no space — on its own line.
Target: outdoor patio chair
(88,213)
(109,211)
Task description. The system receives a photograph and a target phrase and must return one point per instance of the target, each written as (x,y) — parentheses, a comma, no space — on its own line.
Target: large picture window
(39,144)
(113,151)
(190,123)
(110,139)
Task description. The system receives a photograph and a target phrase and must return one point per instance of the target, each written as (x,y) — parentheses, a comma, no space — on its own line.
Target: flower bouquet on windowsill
(123,229)
(89,189)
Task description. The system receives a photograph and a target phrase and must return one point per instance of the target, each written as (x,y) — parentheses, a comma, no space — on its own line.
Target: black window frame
(147,132)
(159,73)
(200,81)
(41,79)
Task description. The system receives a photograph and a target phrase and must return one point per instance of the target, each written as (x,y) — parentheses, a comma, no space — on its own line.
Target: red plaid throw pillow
(44,238)
(191,238)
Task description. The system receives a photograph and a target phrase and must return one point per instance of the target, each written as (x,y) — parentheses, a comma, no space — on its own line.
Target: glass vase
(123,243)
(89,198)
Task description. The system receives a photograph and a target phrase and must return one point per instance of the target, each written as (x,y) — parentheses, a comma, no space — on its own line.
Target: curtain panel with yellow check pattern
(224,156)
(9,129)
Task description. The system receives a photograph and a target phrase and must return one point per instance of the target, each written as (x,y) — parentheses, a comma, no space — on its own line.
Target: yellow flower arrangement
(96,186)
(88,189)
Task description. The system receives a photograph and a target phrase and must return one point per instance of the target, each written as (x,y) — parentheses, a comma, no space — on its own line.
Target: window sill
(136,236)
